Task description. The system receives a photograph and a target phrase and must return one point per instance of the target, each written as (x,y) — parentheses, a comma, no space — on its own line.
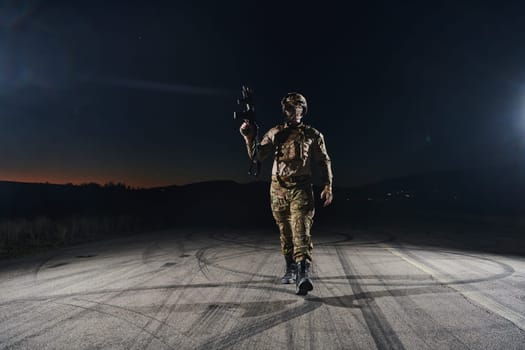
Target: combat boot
(303,284)
(291,270)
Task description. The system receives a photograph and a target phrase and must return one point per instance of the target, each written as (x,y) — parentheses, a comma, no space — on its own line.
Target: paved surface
(219,289)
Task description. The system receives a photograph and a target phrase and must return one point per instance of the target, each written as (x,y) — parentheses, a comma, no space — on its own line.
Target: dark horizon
(477,172)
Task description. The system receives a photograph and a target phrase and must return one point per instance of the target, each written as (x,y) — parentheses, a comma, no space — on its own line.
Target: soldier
(293,145)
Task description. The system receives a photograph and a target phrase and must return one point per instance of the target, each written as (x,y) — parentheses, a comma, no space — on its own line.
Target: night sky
(128,91)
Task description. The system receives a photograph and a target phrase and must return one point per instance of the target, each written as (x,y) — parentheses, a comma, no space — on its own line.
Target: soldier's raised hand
(327,195)
(247,129)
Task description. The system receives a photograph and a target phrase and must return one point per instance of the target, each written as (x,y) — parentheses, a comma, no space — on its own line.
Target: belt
(299,178)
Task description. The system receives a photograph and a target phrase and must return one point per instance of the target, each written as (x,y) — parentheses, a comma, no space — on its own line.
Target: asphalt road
(219,289)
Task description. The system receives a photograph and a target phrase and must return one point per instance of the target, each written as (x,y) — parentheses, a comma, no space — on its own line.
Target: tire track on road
(215,315)
(205,263)
(473,296)
(342,342)
(202,267)
(30,334)
(259,297)
(154,333)
(421,320)
(247,243)
(383,334)
(118,307)
(91,309)
(248,330)
(244,331)
(52,298)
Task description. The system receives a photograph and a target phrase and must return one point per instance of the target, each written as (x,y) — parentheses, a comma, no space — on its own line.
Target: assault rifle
(247,113)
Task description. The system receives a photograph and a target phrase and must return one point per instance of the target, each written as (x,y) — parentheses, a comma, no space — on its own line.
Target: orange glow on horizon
(62,180)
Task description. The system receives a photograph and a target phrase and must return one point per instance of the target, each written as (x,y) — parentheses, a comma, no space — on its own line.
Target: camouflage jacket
(293,148)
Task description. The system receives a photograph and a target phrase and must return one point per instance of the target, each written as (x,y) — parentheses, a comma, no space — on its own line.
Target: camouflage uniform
(292,199)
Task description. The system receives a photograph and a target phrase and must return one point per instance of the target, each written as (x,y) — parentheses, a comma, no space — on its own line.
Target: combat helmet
(294,99)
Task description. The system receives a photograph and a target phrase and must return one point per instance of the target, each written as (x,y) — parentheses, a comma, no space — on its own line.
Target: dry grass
(18,236)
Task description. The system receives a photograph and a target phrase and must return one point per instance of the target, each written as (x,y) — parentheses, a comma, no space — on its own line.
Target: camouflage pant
(293,211)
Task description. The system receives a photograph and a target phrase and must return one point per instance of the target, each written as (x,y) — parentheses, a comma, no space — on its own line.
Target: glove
(247,130)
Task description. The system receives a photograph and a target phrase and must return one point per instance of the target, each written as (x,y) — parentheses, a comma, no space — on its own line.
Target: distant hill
(215,200)
(35,216)
(498,190)
(490,190)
